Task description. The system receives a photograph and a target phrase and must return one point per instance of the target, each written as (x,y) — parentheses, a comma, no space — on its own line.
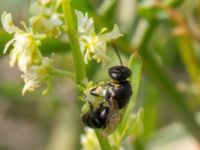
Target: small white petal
(7,23)
(85,24)
(24,61)
(30,84)
(8,45)
(114,34)
(14,54)
(55,20)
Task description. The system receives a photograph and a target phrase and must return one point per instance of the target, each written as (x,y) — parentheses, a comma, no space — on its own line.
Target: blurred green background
(169,93)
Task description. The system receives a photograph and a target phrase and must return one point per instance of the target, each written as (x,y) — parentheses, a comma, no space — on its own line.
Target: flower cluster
(26,54)
(93,45)
(45,20)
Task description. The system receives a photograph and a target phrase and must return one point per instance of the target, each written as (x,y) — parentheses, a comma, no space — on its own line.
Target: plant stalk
(103,142)
(78,57)
(73,36)
(56,71)
(136,66)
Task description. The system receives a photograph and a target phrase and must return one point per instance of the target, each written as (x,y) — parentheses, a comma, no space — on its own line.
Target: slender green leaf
(135,65)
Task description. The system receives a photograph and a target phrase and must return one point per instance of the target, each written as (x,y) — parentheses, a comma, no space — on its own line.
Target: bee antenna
(118,55)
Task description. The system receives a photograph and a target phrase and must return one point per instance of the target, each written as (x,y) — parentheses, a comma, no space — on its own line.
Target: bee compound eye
(119,73)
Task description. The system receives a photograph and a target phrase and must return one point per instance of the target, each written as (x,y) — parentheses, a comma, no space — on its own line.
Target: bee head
(119,73)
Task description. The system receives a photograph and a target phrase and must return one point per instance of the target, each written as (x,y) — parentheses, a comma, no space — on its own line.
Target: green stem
(73,36)
(78,57)
(76,53)
(56,71)
(104,143)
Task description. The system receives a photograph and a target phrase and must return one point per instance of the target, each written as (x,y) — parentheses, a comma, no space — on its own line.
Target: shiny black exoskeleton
(97,118)
(120,88)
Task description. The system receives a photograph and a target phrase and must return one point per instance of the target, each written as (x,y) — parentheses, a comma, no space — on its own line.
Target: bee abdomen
(121,92)
(96,119)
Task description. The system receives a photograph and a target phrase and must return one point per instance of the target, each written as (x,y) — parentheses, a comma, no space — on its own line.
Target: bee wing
(112,119)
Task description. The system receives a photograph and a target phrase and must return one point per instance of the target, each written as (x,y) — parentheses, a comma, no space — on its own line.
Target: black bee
(117,94)
(120,88)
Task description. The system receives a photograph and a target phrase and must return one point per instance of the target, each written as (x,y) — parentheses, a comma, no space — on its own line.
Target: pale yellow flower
(27,55)
(36,75)
(94,46)
(45,20)
(25,51)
